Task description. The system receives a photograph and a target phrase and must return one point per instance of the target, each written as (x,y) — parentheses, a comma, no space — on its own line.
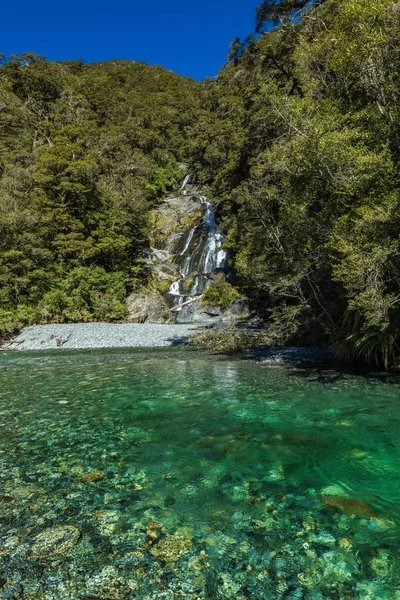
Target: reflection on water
(177,475)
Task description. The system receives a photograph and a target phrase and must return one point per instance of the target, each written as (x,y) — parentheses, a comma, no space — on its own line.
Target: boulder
(53,541)
(146,306)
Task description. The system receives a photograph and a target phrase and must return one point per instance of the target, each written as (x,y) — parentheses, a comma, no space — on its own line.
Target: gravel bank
(100,335)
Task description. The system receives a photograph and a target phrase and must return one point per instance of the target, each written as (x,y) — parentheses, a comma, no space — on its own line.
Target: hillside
(85,151)
(297,136)
(300,137)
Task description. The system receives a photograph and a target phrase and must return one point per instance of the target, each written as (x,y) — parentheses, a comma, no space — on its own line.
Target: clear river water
(175,474)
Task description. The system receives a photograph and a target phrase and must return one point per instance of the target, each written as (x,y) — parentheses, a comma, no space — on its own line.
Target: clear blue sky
(186,36)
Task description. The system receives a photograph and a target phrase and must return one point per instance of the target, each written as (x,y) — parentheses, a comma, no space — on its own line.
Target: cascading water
(214,257)
(201,257)
(182,190)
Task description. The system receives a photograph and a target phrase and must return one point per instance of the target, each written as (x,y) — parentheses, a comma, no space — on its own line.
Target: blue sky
(186,36)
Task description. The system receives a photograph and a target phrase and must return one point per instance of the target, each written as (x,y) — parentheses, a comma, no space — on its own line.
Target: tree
(275,11)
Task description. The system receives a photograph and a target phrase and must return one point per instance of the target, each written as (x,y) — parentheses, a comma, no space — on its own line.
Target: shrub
(12,321)
(220,293)
(228,339)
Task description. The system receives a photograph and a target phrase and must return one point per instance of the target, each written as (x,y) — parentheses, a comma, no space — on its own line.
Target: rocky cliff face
(185,255)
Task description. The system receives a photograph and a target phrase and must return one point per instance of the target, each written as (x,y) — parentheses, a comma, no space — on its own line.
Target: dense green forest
(298,136)
(85,151)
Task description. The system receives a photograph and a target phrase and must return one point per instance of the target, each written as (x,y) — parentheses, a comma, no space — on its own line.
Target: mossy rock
(172,221)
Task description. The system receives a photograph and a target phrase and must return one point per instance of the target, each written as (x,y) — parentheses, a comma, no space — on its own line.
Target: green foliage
(12,320)
(220,293)
(299,136)
(276,11)
(85,294)
(86,151)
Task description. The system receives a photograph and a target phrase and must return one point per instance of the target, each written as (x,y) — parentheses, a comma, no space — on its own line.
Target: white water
(182,191)
(213,257)
(188,240)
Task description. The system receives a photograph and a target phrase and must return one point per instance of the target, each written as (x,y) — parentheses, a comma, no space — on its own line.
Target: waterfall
(201,256)
(213,257)
(188,240)
(182,191)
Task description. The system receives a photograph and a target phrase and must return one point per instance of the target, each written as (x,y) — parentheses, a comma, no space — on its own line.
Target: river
(176,474)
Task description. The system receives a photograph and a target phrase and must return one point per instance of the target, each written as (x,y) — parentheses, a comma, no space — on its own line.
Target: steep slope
(187,264)
(86,151)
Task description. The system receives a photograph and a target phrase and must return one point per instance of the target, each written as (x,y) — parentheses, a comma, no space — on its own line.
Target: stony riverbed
(164,474)
(100,335)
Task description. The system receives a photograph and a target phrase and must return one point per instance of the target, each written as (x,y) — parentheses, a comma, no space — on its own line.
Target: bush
(220,293)
(228,339)
(12,321)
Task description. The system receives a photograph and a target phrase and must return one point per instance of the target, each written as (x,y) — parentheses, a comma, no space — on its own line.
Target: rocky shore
(84,336)
(81,336)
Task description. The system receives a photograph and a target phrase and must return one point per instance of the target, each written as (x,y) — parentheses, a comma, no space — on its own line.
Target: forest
(297,138)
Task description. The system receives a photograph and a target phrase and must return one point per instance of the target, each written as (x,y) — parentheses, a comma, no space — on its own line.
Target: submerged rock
(53,541)
(108,521)
(173,547)
(352,506)
(92,476)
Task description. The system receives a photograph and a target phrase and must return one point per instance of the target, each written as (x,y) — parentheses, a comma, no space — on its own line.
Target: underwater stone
(346,544)
(92,476)
(324,538)
(108,521)
(12,592)
(381,565)
(338,568)
(155,530)
(57,540)
(171,548)
(108,585)
(352,506)
(230,585)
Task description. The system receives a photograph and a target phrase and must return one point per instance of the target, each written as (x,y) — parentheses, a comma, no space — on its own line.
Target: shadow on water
(313,364)
(179,341)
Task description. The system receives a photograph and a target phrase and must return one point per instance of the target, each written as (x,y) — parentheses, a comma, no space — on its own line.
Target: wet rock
(171,222)
(352,506)
(338,568)
(23,492)
(109,585)
(346,544)
(381,564)
(12,592)
(173,547)
(108,521)
(92,476)
(155,530)
(323,538)
(53,541)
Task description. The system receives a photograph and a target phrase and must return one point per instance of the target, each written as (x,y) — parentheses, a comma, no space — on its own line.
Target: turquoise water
(174,474)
